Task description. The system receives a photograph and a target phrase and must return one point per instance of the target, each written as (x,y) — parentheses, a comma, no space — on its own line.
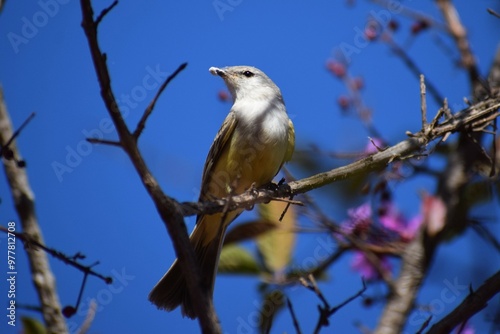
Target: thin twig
(413,67)
(104,12)
(149,109)
(423,103)
(486,234)
(424,325)
(313,286)
(104,142)
(411,13)
(69,260)
(472,304)
(492,12)
(348,300)
(325,312)
(16,133)
(294,317)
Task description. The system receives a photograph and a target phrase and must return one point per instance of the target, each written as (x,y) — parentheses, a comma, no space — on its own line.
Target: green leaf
(32,326)
(272,303)
(237,260)
(276,246)
(248,230)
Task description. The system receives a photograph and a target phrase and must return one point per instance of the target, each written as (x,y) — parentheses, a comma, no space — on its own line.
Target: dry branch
(24,201)
(473,303)
(465,120)
(419,253)
(168,209)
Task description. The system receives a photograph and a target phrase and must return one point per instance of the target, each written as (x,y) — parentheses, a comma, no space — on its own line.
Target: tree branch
(469,119)
(459,34)
(168,209)
(23,198)
(149,109)
(30,243)
(473,303)
(450,190)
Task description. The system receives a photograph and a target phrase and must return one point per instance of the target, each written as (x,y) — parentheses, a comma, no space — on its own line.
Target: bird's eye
(248,74)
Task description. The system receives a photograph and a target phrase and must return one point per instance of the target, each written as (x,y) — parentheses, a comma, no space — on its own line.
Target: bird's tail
(171,291)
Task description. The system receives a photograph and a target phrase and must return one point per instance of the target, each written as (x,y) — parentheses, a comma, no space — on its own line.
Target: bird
(256,138)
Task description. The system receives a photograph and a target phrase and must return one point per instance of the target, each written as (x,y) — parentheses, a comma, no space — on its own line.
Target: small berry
(336,68)
(357,83)
(223,95)
(371,33)
(68,311)
(419,26)
(367,301)
(344,102)
(393,25)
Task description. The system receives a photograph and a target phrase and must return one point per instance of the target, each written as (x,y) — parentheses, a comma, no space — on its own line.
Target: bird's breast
(258,149)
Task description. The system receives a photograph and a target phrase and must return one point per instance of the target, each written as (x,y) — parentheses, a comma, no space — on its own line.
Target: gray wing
(219,146)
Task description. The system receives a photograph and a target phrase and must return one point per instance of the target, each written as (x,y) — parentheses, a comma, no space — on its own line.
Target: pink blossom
(394,221)
(359,219)
(362,265)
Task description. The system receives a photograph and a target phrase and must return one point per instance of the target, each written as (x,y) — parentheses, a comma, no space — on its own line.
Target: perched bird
(256,138)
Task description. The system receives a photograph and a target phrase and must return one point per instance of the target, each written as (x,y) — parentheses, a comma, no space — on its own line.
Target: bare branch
(413,67)
(325,311)
(104,142)
(465,120)
(424,325)
(459,34)
(294,317)
(22,195)
(104,12)
(492,12)
(16,133)
(168,209)
(473,303)
(31,243)
(415,259)
(149,109)
(411,13)
(423,103)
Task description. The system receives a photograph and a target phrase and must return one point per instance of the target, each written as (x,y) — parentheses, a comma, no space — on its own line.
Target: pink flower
(359,220)
(394,221)
(362,265)
(393,227)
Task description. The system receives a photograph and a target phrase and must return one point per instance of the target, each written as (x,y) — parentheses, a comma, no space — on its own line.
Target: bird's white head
(247,82)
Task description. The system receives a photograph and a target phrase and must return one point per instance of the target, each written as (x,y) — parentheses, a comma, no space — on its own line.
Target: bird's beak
(217,71)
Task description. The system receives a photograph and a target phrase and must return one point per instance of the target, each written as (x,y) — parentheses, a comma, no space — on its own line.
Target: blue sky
(97,206)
